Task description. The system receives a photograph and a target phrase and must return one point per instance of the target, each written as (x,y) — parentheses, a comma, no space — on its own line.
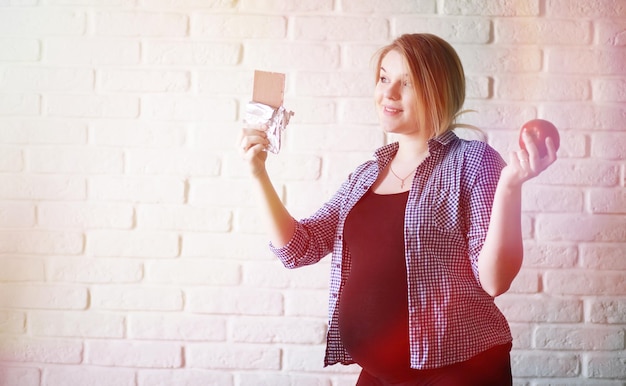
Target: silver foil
(276,120)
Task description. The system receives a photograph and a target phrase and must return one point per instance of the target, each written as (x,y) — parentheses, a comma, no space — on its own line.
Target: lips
(391,110)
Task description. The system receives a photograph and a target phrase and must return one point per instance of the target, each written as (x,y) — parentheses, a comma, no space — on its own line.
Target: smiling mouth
(391,110)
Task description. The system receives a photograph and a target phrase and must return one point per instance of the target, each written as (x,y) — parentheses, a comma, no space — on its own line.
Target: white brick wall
(130,250)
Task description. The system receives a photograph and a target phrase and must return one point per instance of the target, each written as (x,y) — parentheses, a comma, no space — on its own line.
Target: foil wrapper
(276,120)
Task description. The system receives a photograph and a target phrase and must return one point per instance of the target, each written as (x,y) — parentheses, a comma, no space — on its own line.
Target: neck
(411,151)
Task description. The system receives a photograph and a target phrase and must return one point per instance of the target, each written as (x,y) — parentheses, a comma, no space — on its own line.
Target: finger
(551,149)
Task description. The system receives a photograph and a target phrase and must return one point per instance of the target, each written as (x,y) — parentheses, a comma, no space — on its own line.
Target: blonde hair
(437,75)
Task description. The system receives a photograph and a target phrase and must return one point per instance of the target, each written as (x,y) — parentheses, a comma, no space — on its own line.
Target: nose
(392,91)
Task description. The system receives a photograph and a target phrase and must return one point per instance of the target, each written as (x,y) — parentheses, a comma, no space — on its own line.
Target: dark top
(373,309)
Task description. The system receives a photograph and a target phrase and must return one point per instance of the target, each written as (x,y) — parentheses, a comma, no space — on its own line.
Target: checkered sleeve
(486,171)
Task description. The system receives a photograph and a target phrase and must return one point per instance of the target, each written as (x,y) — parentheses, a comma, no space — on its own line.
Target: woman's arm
(502,253)
(280,223)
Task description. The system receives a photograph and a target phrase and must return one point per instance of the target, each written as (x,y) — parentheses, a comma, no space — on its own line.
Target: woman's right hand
(252,146)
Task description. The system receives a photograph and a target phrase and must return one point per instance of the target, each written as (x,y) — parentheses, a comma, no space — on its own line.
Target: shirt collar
(385,153)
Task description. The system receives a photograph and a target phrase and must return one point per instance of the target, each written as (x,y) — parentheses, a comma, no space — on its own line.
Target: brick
(23,376)
(584,282)
(20,104)
(607,201)
(549,255)
(580,173)
(580,228)
(283,330)
(88,160)
(137,134)
(524,308)
(478,59)
(587,61)
(608,146)
(19,50)
(17,214)
(522,335)
(498,115)
(312,110)
(491,8)
(452,29)
(136,298)
(579,339)
(11,323)
(335,84)
(357,111)
(601,365)
(91,51)
(538,88)
(174,162)
(543,31)
(153,190)
(609,90)
(195,53)
(608,256)
(80,215)
(585,9)
(234,301)
(96,3)
(31,187)
(295,167)
(42,79)
(610,32)
(538,198)
(45,131)
(392,6)
(185,327)
(152,24)
(188,108)
(92,106)
(74,324)
(88,270)
(527,281)
(89,375)
(52,297)
(360,56)
(215,5)
(221,193)
(545,364)
(216,138)
(302,55)
(218,356)
(324,28)
(605,310)
(238,26)
(29,350)
(41,242)
(282,6)
(21,270)
(231,82)
(134,354)
(339,139)
(225,246)
(11,159)
(198,271)
(186,377)
(307,303)
(41,22)
(478,87)
(306,359)
(167,217)
(278,379)
(133,243)
(128,81)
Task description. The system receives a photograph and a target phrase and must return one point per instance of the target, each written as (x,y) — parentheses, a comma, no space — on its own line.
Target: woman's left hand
(526,164)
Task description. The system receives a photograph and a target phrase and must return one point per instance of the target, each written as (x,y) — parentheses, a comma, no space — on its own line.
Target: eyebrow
(383,69)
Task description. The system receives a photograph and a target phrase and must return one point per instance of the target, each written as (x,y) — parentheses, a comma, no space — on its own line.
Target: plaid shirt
(451,318)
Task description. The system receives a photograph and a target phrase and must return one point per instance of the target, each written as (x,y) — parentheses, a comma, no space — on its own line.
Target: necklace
(400,178)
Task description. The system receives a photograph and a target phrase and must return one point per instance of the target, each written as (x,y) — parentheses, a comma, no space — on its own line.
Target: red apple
(539,130)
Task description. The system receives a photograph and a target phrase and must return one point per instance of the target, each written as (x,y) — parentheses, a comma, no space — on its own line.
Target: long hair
(437,75)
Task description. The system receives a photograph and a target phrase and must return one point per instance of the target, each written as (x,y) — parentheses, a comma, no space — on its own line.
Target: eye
(383,79)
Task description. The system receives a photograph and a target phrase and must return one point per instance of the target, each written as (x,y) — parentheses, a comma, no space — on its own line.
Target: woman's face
(395,96)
